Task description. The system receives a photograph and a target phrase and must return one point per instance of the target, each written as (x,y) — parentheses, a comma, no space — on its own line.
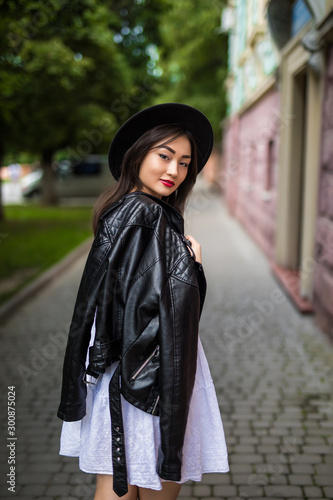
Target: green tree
(138,37)
(67,71)
(193,57)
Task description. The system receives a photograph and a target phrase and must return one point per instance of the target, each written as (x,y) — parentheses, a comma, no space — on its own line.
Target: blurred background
(261,70)
(71,73)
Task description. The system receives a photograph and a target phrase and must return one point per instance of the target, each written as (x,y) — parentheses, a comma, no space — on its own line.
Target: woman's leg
(170,491)
(104,489)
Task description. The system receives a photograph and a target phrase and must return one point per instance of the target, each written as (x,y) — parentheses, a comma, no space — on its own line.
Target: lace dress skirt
(204,447)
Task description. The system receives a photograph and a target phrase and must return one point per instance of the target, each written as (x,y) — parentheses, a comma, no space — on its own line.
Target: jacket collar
(174,218)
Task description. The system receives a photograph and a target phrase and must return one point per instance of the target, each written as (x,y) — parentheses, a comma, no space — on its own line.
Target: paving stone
(33,490)
(202,490)
(241,478)
(242,448)
(61,478)
(216,478)
(267,449)
(267,440)
(261,432)
(224,491)
(323,479)
(261,423)
(317,449)
(300,479)
(232,440)
(72,467)
(250,491)
(299,432)
(242,468)
(21,498)
(328,459)
(242,431)
(315,440)
(277,432)
(70,497)
(35,478)
(186,491)
(59,489)
(244,458)
(308,459)
(313,491)
(42,468)
(46,498)
(304,469)
(328,491)
(284,491)
(277,479)
(83,490)
(274,468)
(323,468)
(249,440)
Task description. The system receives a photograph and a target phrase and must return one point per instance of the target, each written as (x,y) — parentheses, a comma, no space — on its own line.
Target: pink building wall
(249,176)
(323,276)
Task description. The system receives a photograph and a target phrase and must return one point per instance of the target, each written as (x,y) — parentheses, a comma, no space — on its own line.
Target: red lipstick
(167,183)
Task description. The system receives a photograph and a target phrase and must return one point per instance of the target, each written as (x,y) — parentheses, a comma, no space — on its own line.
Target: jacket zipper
(156,402)
(141,367)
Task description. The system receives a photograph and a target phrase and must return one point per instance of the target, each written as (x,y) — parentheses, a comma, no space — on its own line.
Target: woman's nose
(172,168)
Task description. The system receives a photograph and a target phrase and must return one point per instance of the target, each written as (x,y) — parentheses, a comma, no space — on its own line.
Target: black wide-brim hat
(186,116)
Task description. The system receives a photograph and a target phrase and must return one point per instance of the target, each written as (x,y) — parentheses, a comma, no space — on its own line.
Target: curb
(44,279)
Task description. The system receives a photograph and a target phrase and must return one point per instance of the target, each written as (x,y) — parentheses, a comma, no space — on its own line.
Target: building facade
(278,141)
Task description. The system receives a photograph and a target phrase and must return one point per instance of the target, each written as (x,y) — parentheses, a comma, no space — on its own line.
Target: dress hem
(197,478)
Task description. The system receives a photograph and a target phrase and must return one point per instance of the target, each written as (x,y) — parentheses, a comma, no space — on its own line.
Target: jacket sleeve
(178,336)
(101,259)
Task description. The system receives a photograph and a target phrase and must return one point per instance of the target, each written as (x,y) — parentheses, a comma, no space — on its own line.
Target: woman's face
(165,167)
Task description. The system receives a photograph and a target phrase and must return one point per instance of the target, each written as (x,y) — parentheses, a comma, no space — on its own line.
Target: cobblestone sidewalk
(272,370)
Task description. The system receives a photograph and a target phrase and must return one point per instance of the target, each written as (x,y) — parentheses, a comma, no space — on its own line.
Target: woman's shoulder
(133,209)
(142,209)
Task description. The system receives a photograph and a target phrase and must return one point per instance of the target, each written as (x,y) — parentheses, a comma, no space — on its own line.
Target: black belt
(117,436)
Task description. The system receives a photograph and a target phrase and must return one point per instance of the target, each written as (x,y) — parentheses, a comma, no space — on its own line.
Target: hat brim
(162,114)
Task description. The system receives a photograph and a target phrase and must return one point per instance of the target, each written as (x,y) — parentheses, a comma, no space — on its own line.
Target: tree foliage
(194,57)
(65,68)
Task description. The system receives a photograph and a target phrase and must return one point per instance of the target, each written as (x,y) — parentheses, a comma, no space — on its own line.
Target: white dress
(204,447)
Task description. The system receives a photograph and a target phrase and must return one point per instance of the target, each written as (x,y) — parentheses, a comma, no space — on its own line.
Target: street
(272,369)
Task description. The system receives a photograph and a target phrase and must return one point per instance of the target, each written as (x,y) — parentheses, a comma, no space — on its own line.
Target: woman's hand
(196,248)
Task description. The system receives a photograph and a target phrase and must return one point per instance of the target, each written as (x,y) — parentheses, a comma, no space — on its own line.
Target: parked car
(90,165)
(31,184)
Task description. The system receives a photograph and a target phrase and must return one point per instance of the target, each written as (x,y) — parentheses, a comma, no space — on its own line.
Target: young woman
(138,402)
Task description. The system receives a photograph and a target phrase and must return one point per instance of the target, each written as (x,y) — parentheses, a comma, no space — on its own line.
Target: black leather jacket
(147,291)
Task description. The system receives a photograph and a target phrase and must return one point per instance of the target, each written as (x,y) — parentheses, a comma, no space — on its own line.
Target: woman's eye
(184,164)
(164,157)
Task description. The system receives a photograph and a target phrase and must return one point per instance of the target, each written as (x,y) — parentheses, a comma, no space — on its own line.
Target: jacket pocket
(143,365)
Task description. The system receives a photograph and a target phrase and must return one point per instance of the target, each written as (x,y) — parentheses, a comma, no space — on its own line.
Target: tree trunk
(49,180)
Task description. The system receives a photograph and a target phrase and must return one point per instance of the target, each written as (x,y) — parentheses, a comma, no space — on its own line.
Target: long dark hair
(130,180)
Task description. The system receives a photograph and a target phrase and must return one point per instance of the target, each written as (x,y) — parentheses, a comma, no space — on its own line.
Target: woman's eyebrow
(172,150)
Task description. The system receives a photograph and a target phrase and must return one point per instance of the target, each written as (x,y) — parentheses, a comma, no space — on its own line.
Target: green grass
(33,238)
